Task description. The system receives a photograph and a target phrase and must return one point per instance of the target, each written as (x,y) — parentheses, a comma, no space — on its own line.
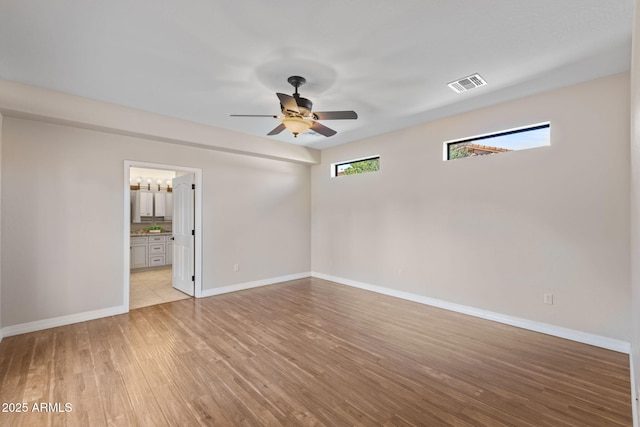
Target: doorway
(151,274)
(151,287)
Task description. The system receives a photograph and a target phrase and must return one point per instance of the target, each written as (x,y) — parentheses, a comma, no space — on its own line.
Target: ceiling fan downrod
(304,105)
(296,82)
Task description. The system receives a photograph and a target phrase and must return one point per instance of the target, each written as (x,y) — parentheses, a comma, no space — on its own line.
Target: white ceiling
(390,61)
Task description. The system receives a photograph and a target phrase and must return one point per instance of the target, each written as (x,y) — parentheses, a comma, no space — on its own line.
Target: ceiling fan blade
(288,103)
(335,115)
(322,129)
(277,129)
(253,115)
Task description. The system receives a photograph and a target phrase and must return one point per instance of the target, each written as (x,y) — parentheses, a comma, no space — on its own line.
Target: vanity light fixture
(161,183)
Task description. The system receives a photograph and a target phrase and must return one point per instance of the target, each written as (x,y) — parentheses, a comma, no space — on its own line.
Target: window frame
(522,129)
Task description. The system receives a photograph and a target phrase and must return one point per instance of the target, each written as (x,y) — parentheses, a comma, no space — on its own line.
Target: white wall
(494,232)
(635,203)
(1,118)
(62,217)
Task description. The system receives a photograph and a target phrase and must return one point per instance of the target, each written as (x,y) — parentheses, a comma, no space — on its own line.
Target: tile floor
(152,287)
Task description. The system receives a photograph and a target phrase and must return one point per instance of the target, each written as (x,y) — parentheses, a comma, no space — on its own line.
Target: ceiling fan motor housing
(304,105)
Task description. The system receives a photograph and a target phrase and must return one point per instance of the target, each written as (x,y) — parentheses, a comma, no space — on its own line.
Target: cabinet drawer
(157,239)
(138,240)
(156,248)
(155,260)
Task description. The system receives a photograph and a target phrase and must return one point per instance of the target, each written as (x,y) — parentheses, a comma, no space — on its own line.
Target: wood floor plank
(309,352)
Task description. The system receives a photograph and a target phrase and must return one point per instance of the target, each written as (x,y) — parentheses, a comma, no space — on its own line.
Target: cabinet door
(146,203)
(168,206)
(138,257)
(168,254)
(160,203)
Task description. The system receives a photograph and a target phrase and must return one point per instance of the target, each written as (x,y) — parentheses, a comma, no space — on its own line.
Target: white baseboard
(39,325)
(545,328)
(583,337)
(635,404)
(255,284)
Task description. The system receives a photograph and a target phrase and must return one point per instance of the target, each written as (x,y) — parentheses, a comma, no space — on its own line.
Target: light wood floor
(309,352)
(152,287)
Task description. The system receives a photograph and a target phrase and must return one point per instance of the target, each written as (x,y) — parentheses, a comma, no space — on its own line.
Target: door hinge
(193,278)
(193,186)
(193,232)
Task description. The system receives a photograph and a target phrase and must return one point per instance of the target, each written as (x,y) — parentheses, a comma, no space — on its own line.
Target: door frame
(127,222)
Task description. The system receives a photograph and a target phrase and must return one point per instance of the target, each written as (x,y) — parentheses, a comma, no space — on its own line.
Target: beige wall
(63,216)
(495,232)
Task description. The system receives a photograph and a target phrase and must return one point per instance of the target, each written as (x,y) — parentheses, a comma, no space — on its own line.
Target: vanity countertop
(147,233)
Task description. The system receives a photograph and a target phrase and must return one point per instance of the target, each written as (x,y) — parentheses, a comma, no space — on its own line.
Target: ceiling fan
(297,115)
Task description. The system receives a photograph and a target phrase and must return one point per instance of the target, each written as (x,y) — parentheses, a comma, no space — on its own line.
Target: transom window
(501,142)
(357,166)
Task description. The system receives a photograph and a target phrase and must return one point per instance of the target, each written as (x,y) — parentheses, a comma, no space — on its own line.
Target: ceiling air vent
(467,83)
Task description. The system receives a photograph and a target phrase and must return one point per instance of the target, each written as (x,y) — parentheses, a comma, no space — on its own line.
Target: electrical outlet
(236,267)
(548,298)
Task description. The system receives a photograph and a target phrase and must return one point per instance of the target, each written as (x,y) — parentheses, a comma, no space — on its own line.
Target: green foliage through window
(371,164)
(458,152)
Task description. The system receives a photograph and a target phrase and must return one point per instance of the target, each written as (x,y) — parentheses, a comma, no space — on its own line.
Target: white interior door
(183,233)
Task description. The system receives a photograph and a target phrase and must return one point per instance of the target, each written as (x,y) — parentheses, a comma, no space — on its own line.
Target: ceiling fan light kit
(296,125)
(298,116)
